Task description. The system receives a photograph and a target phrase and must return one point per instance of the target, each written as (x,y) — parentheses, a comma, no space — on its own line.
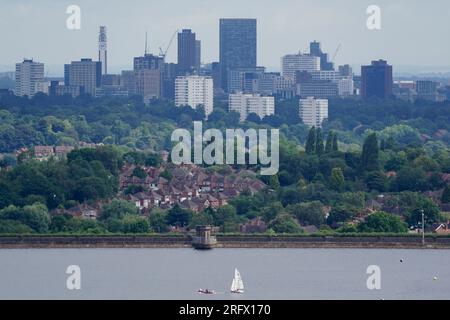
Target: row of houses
(190,186)
(44,153)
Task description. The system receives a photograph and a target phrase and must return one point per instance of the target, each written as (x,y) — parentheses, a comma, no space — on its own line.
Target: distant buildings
(302,75)
(319,89)
(148,61)
(58,89)
(316,50)
(189,50)
(313,111)
(427,90)
(405,90)
(237,46)
(240,79)
(410,90)
(376,80)
(195,91)
(44,153)
(346,87)
(86,74)
(192,187)
(146,79)
(198,54)
(292,63)
(246,104)
(103,50)
(29,78)
(143,82)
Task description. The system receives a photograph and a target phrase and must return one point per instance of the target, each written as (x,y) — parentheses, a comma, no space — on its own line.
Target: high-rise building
(246,104)
(319,89)
(427,90)
(285,88)
(345,70)
(237,46)
(315,49)
(29,76)
(86,74)
(169,76)
(345,87)
(148,61)
(215,73)
(376,80)
(195,91)
(198,54)
(292,63)
(143,82)
(313,111)
(344,83)
(148,84)
(238,78)
(187,51)
(103,50)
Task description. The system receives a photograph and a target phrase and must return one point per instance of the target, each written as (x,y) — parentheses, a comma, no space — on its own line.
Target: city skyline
(359,45)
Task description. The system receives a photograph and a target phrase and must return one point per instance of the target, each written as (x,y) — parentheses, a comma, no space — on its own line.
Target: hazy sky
(414,32)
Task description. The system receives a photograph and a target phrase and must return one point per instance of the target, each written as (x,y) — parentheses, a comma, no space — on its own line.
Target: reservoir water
(266,273)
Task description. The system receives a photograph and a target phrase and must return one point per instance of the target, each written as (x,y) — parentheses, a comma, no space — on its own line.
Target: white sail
(233,285)
(237,285)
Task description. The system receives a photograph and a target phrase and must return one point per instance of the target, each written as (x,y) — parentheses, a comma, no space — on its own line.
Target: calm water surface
(267,273)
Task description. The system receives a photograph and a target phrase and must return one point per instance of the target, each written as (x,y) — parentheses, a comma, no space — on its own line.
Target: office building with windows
(86,74)
(292,63)
(29,78)
(376,80)
(195,91)
(188,52)
(245,104)
(237,46)
(313,112)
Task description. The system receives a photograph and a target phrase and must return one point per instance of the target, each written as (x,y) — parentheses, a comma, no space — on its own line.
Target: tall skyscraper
(195,91)
(86,74)
(376,80)
(103,50)
(198,53)
(237,46)
(29,77)
(315,49)
(187,51)
(313,111)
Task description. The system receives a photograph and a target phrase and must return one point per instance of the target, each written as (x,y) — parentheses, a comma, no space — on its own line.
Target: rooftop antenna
(146,43)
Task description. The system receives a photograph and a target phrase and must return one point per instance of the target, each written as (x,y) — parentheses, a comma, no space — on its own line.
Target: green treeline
(328,176)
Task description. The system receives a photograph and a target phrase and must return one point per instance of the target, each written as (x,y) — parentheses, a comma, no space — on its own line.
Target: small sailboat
(237,286)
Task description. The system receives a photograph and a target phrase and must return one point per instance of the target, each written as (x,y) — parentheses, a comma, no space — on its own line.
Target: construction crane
(336,52)
(163,53)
